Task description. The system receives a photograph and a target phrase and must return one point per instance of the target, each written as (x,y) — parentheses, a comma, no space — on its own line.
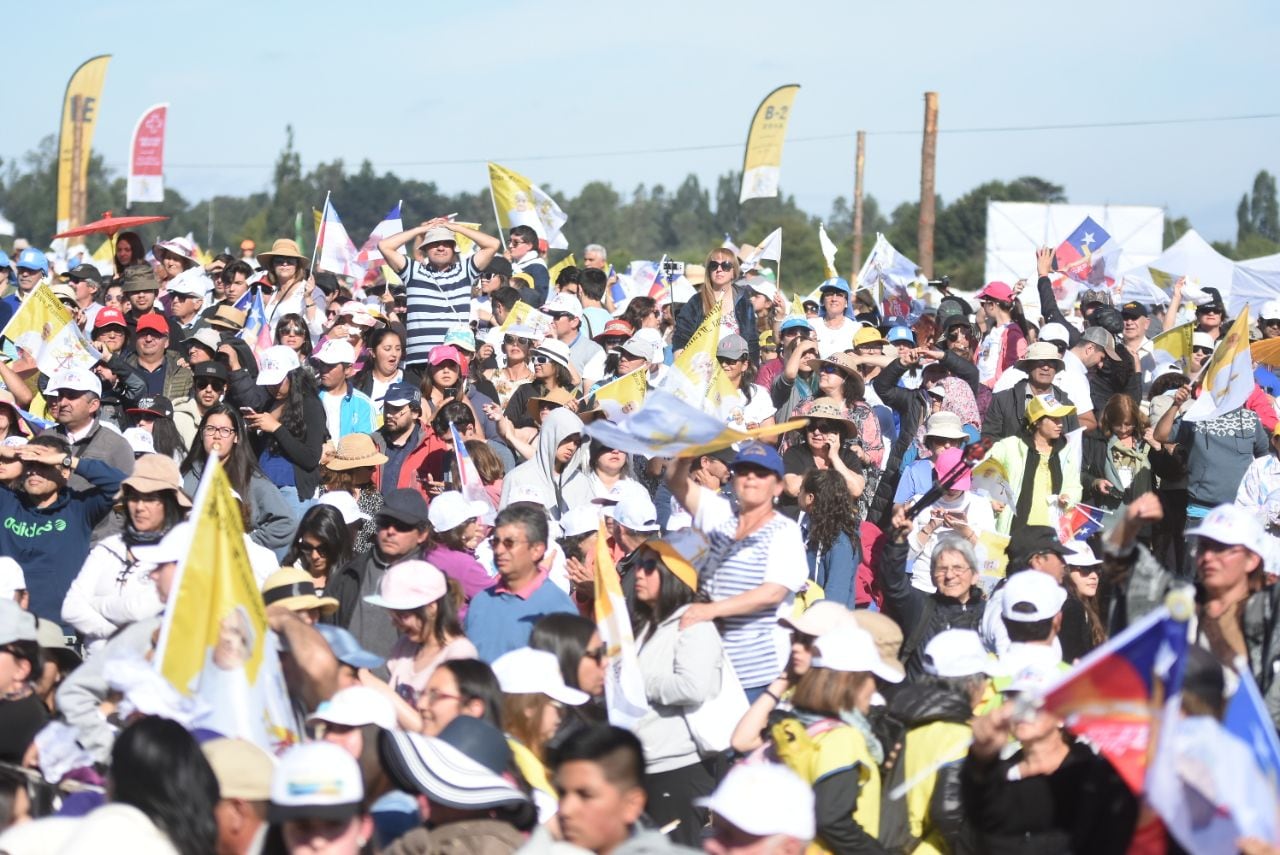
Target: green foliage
(1258,212)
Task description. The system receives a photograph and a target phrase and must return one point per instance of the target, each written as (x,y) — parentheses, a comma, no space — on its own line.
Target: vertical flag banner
(42,327)
(660,290)
(369,258)
(1227,379)
(1116,695)
(762,162)
(828,251)
(1080,522)
(214,642)
(257,330)
(146,157)
(624,694)
(335,251)
(888,274)
(75,140)
(468,474)
(517,201)
(1174,345)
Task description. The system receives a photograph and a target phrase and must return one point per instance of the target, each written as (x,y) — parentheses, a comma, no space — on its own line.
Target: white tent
(1253,281)
(6,226)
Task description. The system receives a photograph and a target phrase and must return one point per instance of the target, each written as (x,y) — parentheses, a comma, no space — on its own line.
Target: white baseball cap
(12,579)
(527,671)
(1233,526)
(1031,596)
(451,509)
(315,780)
(140,440)
(275,363)
(356,706)
(957,653)
(193,281)
(1270,309)
(74,380)
(641,346)
(1081,554)
(19,625)
(636,511)
(580,520)
(563,304)
(764,799)
(346,505)
(555,350)
(847,647)
(335,352)
(1054,332)
(1203,339)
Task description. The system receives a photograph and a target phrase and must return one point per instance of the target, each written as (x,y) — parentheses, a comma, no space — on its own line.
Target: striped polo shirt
(438,300)
(755,644)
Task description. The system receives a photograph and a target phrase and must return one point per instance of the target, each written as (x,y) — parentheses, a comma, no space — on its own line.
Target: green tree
(1259,212)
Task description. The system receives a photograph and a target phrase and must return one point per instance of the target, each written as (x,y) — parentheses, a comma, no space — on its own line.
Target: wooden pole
(928,157)
(859,162)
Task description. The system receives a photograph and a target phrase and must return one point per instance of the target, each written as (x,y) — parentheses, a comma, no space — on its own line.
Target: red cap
(109,316)
(617,326)
(155,323)
(997,291)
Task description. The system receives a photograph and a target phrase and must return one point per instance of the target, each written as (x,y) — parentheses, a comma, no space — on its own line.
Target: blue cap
(346,649)
(901,333)
(4,259)
(836,284)
(796,324)
(755,453)
(401,393)
(33,259)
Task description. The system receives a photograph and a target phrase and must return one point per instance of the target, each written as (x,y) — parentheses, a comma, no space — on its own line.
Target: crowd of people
(836,627)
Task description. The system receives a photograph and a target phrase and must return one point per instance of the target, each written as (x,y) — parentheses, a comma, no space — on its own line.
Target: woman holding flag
(286,268)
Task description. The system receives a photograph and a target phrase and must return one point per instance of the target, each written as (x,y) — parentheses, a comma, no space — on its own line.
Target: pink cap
(444,353)
(997,291)
(409,585)
(944,461)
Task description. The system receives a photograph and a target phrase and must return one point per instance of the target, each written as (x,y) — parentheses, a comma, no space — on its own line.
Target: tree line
(684,222)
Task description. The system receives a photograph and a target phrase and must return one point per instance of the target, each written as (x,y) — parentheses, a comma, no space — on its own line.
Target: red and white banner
(146,157)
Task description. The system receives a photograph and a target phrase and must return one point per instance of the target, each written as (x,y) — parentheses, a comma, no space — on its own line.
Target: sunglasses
(1202,350)
(512,339)
(956,335)
(402,527)
(540,359)
(1041,363)
(719,265)
(647,564)
(309,548)
(514,241)
(437,243)
(824,426)
(206,383)
(596,654)
(729,360)
(507,543)
(1208,310)
(827,368)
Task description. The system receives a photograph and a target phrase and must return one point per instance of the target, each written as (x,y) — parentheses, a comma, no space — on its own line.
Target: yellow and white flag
(42,327)
(762,162)
(828,251)
(214,642)
(625,395)
(465,245)
(624,695)
(1174,345)
(990,479)
(520,202)
(524,315)
(1227,380)
(665,426)
(567,261)
(693,374)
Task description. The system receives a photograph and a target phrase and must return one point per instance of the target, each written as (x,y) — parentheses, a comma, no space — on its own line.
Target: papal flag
(215,643)
(692,377)
(665,426)
(520,202)
(524,315)
(75,139)
(42,327)
(624,694)
(624,395)
(1174,345)
(828,251)
(1227,379)
(762,162)
(990,479)
(889,274)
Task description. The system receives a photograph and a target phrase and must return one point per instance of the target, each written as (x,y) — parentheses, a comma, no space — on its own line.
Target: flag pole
(324,212)
(497,221)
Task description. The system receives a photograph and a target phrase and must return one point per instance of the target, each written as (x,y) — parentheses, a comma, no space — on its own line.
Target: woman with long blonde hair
(721,287)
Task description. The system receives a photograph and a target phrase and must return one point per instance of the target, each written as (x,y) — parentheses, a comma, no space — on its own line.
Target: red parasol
(108,225)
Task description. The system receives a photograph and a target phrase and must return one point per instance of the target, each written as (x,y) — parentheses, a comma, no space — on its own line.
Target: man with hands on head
(438,291)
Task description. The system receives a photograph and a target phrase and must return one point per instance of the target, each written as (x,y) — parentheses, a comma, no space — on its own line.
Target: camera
(672,268)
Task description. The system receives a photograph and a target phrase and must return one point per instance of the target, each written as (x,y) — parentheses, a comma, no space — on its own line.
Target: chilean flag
(368,257)
(1087,255)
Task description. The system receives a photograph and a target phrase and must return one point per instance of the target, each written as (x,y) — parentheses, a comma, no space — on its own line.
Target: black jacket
(692,313)
(921,615)
(911,408)
(302,451)
(1008,411)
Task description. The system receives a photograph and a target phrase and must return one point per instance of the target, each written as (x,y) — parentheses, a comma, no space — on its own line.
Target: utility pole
(859,162)
(928,157)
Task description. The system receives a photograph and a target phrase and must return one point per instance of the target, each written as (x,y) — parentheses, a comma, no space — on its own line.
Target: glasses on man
(515,241)
(507,543)
(219,432)
(210,383)
(398,525)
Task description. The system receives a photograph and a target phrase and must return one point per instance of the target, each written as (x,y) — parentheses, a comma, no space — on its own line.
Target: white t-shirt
(833,340)
(332,413)
(741,414)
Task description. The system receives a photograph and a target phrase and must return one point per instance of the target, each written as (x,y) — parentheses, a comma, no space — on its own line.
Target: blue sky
(522,81)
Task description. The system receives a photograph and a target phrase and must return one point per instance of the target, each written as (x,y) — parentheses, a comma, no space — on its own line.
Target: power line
(1076,126)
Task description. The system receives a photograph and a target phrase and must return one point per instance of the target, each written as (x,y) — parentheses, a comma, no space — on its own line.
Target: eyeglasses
(434,695)
(823,425)
(828,368)
(515,241)
(311,548)
(596,654)
(220,432)
(540,359)
(517,340)
(719,265)
(292,331)
(284,262)
(507,543)
(1205,351)
(956,335)
(206,383)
